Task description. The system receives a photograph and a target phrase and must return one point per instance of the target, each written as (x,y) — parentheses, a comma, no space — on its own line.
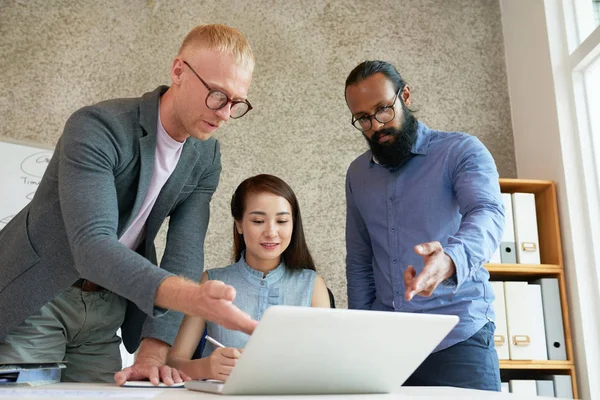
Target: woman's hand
(222,360)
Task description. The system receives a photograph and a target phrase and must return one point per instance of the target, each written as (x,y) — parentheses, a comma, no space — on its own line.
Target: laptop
(304,350)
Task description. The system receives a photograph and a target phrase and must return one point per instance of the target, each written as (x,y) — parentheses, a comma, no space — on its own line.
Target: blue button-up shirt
(256,292)
(448,192)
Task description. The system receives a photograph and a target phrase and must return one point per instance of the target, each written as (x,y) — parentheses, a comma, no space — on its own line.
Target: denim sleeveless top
(255,293)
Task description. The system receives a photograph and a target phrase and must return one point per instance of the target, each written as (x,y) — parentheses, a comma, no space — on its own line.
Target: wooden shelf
(546,213)
(550,247)
(553,365)
(510,185)
(503,270)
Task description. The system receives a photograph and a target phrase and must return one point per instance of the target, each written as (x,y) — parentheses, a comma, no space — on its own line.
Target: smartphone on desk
(148,384)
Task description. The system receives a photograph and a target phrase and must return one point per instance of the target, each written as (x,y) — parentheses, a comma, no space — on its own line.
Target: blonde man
(79,261)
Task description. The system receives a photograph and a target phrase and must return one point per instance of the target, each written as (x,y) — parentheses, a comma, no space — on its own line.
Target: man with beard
(424,213)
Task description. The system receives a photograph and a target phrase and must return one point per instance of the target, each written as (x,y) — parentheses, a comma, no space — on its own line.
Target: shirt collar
(256,277)
(421,145)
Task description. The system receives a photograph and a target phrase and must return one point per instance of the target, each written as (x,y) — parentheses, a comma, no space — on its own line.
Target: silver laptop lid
(302,350)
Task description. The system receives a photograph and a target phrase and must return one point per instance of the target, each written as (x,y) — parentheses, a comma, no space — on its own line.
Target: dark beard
(394,153)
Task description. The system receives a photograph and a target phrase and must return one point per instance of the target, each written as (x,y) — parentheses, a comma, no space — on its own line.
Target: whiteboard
(21,169)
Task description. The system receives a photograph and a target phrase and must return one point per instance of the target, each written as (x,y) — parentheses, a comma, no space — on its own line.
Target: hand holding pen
(222,360)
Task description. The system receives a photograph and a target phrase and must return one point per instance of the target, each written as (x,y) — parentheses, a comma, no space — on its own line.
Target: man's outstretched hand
(211,300)
(437,268)
(215,303)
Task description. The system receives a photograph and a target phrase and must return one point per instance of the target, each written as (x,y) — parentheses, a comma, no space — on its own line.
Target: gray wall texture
(57,56)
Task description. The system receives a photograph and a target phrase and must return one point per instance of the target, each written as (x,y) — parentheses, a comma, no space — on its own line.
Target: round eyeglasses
(216,99)
(383,115)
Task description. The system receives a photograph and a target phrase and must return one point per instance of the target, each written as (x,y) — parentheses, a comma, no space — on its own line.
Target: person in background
(424,213)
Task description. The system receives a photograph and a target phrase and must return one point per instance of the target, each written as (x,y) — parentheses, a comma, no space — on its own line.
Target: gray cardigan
(92,190)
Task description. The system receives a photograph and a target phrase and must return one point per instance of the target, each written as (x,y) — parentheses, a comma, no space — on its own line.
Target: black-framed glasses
(215,99)
(383,115)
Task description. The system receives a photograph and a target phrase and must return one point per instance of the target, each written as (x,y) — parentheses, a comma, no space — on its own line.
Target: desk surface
(88,391)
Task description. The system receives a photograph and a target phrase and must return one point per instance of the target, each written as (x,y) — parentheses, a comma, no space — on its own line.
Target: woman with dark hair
(272,266)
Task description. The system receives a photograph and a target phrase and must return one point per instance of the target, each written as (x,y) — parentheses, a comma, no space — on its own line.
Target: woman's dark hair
(297,255)
(367,68)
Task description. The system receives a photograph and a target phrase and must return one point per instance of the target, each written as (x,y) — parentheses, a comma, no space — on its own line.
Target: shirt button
(262,283)
(391,199)
(394,261)
(393,229)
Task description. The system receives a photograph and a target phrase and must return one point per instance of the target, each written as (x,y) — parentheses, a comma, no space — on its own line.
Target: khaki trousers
(77,327)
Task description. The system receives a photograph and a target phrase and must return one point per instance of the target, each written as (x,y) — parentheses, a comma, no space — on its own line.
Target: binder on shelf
(533,204)
(523,386)
(508,254)
(505,388)
(563,386)
(518,320)
(501,333)
(538,333)
(545,388)
(526,232)
(553,319)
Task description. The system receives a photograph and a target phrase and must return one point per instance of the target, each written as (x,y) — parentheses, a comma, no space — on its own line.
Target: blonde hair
(220,38)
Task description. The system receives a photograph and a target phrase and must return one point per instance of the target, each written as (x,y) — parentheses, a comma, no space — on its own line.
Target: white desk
(88,391)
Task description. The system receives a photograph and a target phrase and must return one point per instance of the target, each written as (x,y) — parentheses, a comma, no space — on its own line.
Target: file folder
(501,333)
(508,253)
(553,319)
(545,388)
(538,334)
(523,386)
(563,387)
(518,320)
(526,232)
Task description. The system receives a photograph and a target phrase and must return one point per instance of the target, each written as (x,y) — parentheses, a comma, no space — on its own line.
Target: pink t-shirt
(166,157)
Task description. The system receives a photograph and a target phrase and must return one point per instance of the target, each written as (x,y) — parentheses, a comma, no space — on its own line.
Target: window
(591,81)
(582,20)
(578,85)
(583,17)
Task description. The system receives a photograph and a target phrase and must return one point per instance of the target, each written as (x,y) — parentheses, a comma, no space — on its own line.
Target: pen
(213,341)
